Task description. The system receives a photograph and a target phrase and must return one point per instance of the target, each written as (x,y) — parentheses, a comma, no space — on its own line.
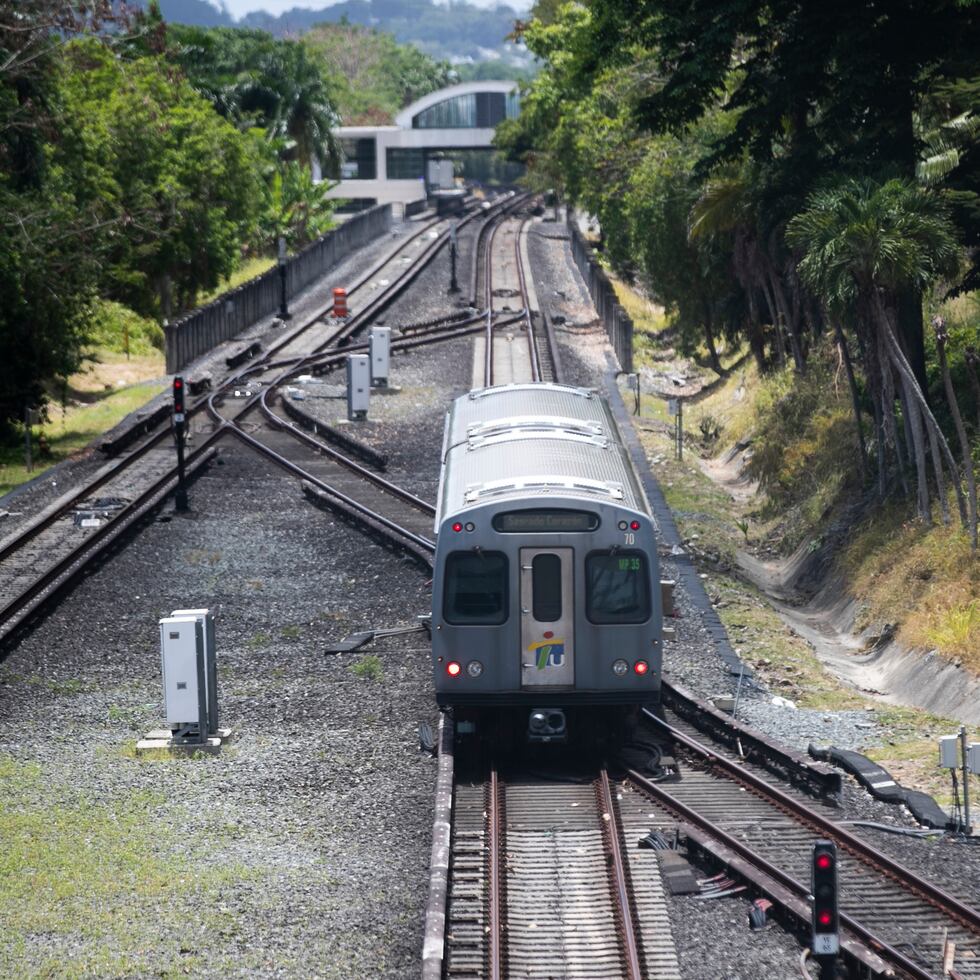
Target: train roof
(523,441)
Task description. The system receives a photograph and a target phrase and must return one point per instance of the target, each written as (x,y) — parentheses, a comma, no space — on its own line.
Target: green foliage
(296,207)
(368,668)
(861,235)
(374,76)
(117,328)
(177,182)
(255,80)
(803,451)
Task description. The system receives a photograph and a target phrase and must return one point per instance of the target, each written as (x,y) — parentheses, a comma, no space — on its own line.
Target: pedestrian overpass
(400,163)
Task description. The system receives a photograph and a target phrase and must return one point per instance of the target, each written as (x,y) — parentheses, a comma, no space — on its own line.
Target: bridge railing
(618,324)
(203,329)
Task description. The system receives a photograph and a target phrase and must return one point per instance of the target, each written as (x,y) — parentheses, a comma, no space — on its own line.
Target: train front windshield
(476,588)
(617,587)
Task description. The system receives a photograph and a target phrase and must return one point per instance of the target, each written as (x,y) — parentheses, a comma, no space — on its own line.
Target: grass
(922,578)
(248,270)
(258,641)
(90,888)
(71,431)
(290,632)
(368,668)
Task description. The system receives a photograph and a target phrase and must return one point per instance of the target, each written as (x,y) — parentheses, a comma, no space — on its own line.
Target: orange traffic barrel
(340,303)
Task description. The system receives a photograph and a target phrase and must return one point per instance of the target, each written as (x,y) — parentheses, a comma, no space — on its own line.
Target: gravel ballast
(303,848)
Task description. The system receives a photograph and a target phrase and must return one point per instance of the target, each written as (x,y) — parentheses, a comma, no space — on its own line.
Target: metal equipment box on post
(184,675)
(358,385)
(206,618)
(380,356)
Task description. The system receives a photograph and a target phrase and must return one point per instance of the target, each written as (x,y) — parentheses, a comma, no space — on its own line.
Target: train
(547,616)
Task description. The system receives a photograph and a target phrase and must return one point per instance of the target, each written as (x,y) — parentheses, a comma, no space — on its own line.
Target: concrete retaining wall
(204,328)
(617,321)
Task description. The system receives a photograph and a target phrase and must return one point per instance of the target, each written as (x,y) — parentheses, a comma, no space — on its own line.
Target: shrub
(804,452)
(114,326)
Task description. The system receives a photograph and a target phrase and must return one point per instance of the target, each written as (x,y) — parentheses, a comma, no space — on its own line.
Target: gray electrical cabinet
(190,679)
(380,356)
(206,620)
(358,385)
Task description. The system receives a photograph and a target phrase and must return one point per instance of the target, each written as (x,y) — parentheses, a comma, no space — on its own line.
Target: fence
(617,321)
(203,329)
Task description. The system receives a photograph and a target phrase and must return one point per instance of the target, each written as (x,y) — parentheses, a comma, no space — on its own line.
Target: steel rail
(620,887)
(950,905)
(345,461)
(495,883)
(59,574)
(488,292)
(658,793)
(526,300)
(37,527)
(350,502)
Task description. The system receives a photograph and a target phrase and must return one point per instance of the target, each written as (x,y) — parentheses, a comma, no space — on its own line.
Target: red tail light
(453,668)
(641,667)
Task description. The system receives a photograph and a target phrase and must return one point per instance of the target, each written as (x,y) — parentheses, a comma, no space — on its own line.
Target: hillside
(461,33)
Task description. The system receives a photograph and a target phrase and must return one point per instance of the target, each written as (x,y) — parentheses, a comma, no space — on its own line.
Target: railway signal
(180,418)
(825,934)
(453,248)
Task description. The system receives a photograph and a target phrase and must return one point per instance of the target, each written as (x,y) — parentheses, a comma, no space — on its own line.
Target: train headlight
(620,668)
(470,526)
(453,668)
(641,667)
(474,668)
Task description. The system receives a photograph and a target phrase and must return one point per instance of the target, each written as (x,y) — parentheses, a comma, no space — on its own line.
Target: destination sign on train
(545,520)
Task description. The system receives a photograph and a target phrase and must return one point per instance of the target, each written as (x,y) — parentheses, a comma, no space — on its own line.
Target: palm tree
(863,244)
(303,112)
(727,207)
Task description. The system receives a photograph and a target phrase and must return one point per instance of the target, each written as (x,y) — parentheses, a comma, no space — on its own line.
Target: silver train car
(546,604)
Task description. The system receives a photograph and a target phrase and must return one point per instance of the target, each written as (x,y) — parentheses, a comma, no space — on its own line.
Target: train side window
(617,587)
(476,588)
(546,588)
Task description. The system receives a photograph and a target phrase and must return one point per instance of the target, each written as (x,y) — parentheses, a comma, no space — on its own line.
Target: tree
(47,264)
(862,244)
(255,80)
(373,76)
(142,147)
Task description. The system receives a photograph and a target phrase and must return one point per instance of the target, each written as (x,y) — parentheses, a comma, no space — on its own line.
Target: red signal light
(457,527)
(453,668)
(825,917)
(824,862)
(634,525)
(641,667)
(178,391)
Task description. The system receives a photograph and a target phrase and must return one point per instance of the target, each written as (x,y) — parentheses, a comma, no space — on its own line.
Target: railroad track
(893,919)
(542,885)
(528,351)
(43,557)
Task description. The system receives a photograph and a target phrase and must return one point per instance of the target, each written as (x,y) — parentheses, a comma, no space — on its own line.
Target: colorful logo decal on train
(548,653)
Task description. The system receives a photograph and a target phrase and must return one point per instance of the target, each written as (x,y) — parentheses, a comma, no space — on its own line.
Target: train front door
(547,618)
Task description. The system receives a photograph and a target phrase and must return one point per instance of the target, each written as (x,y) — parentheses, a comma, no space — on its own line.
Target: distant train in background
(546,606)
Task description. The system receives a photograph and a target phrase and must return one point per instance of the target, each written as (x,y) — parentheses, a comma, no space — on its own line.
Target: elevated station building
(401,163)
